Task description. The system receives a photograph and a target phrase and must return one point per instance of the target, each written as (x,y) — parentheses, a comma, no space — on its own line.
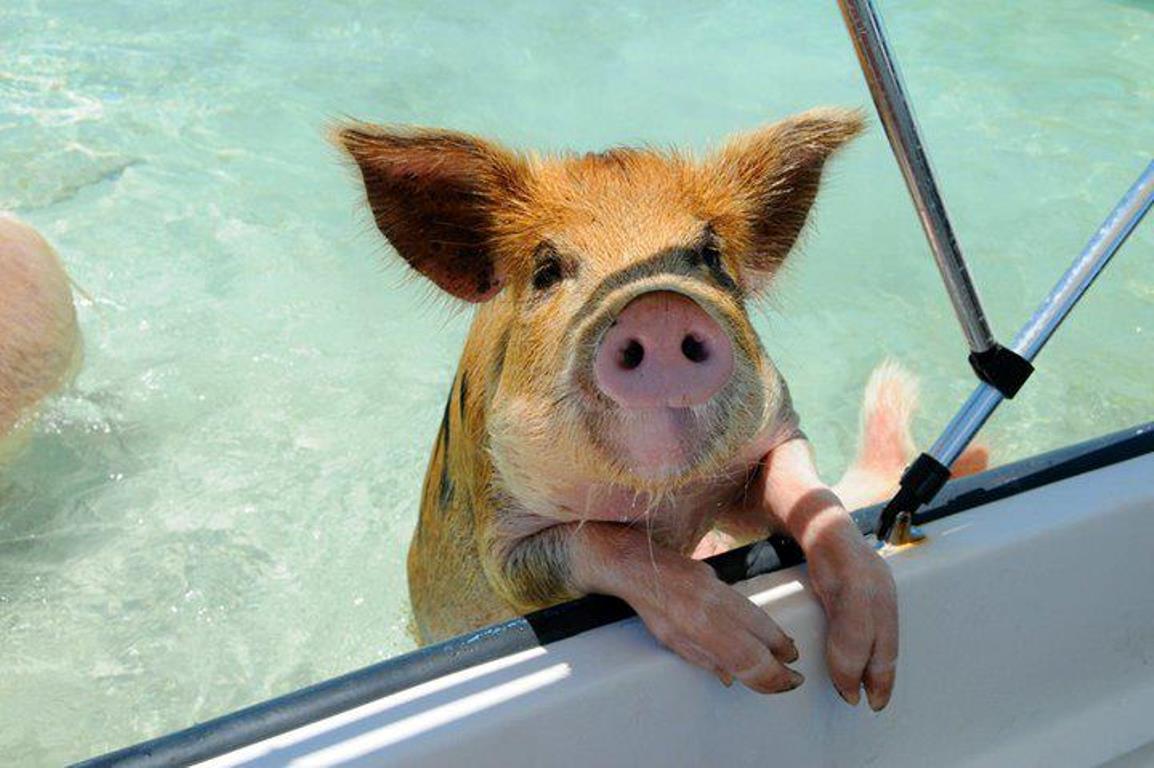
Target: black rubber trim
(919,485)
(270,718)
(1003,369)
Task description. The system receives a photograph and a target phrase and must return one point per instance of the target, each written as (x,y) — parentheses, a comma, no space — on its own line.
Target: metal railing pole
(885,84)
(1002,371)
(1052,311)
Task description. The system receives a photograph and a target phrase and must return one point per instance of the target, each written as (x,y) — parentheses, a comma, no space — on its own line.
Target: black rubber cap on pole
(919,485)
(1003,369)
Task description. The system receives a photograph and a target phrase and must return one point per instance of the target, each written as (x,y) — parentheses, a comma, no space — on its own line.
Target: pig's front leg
(681,600)
(851,580)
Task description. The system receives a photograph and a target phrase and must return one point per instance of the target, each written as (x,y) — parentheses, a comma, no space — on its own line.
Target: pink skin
(662,356)
(852,582)
(39,339)
(663,351)
(676,522)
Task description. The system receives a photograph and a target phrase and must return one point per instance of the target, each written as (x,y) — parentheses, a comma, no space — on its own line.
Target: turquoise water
(218,511)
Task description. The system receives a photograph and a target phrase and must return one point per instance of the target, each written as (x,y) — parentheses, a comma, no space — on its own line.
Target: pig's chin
(664,444)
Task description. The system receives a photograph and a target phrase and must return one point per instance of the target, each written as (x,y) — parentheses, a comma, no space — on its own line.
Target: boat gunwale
(284,713)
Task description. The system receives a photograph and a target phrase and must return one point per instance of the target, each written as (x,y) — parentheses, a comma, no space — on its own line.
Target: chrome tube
(1052,311)
(885,84)
(1109,237)
(965,425)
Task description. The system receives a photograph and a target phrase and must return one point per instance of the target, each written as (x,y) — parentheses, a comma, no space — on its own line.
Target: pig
(40,347)
(614,412)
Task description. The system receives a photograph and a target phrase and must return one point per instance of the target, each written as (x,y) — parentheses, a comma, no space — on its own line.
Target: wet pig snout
(663,350)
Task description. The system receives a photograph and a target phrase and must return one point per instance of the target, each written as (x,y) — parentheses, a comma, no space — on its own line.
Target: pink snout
(663,350)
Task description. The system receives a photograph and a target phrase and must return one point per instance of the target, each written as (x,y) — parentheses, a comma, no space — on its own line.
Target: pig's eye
(711,256)
(548,273)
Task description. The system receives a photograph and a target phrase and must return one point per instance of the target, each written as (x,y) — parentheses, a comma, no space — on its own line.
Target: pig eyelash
(708,251)
(547,274)
(711,255)
(550,269)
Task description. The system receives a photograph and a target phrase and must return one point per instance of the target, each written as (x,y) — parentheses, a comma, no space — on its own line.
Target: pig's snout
(663,350)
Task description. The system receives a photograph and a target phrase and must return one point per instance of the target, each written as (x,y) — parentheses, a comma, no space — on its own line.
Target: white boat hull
(1027,639)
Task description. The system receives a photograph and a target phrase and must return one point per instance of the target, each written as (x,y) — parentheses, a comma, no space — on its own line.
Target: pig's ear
(773,174)
(434,195)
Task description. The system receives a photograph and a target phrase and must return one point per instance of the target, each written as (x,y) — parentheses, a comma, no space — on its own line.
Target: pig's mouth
(664,443)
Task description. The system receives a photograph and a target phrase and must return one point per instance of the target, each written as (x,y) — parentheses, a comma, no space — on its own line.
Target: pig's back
(449,590)
(39,341)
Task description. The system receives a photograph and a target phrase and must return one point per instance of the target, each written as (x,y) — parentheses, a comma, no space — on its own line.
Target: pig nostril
(694,349)
(632,355)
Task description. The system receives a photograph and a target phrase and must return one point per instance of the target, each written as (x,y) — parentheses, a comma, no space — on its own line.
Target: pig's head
(615,288)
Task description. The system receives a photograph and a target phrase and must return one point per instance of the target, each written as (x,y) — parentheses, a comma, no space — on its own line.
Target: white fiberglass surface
(1027,630)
